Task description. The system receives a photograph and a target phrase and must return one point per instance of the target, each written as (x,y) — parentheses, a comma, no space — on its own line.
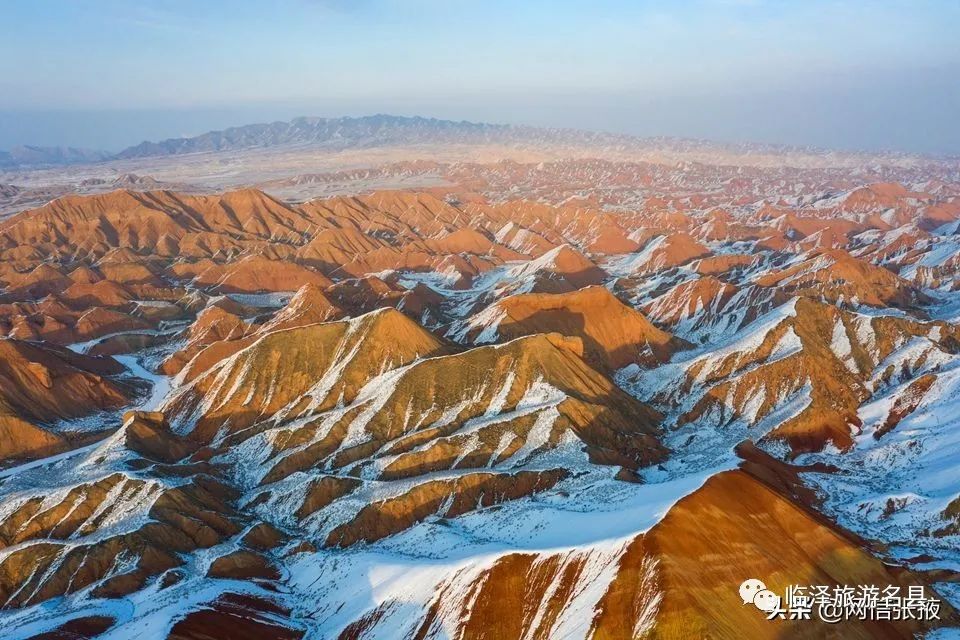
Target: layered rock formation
(580,398)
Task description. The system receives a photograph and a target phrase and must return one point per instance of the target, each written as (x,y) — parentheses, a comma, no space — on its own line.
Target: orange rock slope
(577,398)
(614,335)
(40,385)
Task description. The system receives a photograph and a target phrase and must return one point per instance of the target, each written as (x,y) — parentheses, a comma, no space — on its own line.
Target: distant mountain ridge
(383,130)
(27,155)
(331,133)
(349,132)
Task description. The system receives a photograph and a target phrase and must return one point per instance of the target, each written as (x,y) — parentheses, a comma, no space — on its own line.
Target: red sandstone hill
(676,579)
(812,362)
(218,333)
(293,374)
(43,384)
(614,335)
(213,325)
(54,321)
(360,235)
(256,274)
(309,305)
(560,270)
(280,367)
(360,295)
(340,421)
(837,276)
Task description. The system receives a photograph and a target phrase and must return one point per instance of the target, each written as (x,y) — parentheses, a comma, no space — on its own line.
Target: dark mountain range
(26,156)
(366,131)
(388,130)
(330,133)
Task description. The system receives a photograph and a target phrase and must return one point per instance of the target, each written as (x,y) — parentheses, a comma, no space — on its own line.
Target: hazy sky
(844,74)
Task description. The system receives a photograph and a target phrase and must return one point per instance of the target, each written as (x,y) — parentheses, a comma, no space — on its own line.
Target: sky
(844,74)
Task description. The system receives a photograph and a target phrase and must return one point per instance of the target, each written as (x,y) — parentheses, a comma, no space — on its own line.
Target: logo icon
(767,601)
(750,588)
(755,592)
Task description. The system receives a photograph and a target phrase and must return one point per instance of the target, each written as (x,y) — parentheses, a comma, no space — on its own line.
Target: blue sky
(845,74)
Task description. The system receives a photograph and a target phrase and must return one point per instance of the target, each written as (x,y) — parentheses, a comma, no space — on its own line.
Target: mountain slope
(614,335)
(40,385)
(335,132)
